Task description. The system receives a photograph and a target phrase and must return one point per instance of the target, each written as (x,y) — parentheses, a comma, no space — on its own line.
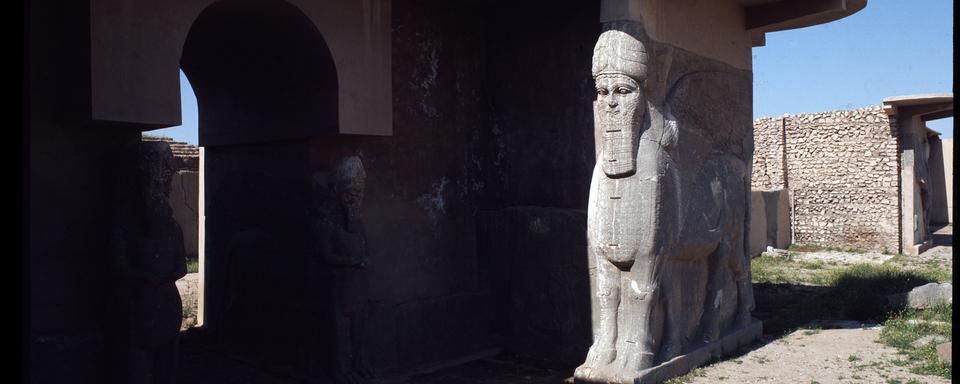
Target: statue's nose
(612,102)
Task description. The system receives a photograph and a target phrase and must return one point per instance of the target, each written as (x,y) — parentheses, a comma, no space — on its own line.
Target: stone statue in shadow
(666,214)
(341,259)
(148,258)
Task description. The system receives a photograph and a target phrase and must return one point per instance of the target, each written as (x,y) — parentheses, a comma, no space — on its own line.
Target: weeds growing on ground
(193,266)
(818,248)
(900,333)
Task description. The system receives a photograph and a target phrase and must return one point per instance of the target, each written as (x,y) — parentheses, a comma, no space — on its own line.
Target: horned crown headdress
(618,52)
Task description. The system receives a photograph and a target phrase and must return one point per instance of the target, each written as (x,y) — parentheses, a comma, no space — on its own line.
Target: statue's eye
(602,91)
(623,90)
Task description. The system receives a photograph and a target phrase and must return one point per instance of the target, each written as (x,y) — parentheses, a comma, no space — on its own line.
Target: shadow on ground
(200,363)
(942,235)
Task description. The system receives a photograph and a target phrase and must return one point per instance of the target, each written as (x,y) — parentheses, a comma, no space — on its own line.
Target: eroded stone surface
(668,202)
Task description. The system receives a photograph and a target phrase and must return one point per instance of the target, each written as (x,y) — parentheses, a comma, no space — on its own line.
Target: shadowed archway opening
(265,83)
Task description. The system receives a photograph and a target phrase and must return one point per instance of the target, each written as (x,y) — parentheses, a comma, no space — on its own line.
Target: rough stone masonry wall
(768,171)
(842,170)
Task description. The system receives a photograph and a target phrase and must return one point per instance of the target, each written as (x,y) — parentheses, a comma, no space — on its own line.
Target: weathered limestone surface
(669,203)
(758,223)
(189,292)
(841,168)
(777,206)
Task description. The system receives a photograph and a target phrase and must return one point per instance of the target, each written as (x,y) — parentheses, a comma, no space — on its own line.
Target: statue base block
(682,364)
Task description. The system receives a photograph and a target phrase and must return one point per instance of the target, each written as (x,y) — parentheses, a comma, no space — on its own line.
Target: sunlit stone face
(618,113)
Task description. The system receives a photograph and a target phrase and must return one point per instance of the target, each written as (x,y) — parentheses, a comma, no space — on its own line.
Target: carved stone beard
(619,124)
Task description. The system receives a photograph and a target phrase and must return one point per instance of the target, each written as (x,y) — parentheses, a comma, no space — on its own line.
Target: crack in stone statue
(636,225)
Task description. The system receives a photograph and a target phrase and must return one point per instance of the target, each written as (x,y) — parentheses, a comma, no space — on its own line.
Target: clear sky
(890,48)
(188,108)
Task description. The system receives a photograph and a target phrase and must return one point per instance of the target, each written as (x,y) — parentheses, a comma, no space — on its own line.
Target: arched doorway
(265,83)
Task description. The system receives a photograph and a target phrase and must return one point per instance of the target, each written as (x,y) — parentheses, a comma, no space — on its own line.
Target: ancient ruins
(871,178)
(389,186)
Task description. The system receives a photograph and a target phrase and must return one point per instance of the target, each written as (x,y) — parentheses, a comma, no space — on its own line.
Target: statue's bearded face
(618,112)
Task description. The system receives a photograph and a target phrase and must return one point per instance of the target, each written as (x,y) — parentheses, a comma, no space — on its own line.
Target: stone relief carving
(648,252)
(342,254)
(148,258)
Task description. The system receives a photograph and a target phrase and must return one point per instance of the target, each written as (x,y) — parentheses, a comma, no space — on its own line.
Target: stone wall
(768,162)
(841,168)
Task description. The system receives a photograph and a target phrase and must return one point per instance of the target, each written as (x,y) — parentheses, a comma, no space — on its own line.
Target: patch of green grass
(853,358)
(816,264)
(769,268)
(899,333)
(817,248)
(804,247)
(787,270)
(193,266)
(933,270)
(812,331)
(189,311)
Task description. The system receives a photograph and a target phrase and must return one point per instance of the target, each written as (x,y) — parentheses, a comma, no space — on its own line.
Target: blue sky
(890,48)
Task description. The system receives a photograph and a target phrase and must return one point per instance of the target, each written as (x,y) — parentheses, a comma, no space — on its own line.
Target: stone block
(945,352)
(758,223)
(926,296)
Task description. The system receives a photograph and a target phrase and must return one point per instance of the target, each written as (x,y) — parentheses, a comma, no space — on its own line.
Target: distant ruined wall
(768,171)
(185,191)
(841,168)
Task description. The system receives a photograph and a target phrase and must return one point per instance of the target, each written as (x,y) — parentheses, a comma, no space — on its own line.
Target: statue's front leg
(640,325)
(603,351)
(740,265)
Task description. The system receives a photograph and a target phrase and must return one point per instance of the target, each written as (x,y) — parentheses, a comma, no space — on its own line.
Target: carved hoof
(605,375)
(597,360)
(584,372)
(615,375)
(600,356)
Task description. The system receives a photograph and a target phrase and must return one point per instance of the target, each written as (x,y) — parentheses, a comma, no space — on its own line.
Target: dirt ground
(851,354)
(815,356)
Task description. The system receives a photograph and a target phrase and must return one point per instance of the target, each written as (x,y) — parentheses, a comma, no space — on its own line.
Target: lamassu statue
(148,258)
(666,221)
